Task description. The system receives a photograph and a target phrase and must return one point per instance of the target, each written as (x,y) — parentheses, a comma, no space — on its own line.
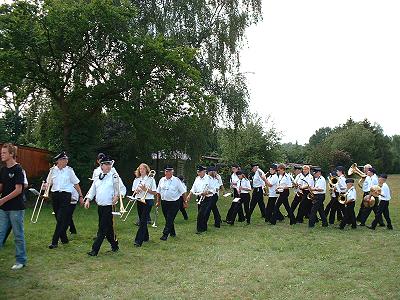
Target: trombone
(122,209)
(133,200)
(155,218)
(45,195)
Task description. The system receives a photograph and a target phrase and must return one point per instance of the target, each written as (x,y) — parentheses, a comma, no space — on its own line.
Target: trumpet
(133,200)
(45,195)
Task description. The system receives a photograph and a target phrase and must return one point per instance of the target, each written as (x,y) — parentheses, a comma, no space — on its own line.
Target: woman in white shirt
(143,186)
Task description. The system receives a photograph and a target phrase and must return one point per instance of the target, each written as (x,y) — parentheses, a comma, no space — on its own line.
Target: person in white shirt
(383,206)
(367,211)
(145,187)
(306,181)
(216,182)
(271,182)
(298,196)
(233,183)
(204,189)
(169,190)
(244,188)
(284,183)
(365,187)
(349,214)
(257,196)
(107,191)
(334,208)
(319,191)
(63,181)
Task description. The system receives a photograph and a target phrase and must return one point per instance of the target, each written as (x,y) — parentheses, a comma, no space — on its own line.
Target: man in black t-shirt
(12,207)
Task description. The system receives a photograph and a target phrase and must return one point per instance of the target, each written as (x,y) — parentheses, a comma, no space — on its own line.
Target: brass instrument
(369,201)
(342,198)
(202,197)
(45,195)
(122,209)
(311,195)
(155,218)
(355,170)
(133,200)
(332,181)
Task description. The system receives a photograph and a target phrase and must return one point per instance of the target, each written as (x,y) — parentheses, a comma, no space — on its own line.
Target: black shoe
(64,242)
(186,218)
(115,249)
(199,232)
(164,237)
(137,245)
(241,220)
(382,225)
(146,240)
(217,225)
(390,227)
(73,232)
(51,246)
(341,228)
(370,227)
(325,225)
(353,227)
(311,226)
(292,222)
(92,253)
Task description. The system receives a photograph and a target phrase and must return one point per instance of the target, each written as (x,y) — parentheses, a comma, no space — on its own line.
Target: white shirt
(216,183)
(374,180)
(244,183)
(170,189)
(385,193)
(220,183)
(273,180)
(341,185)
(205,183)
(351,194)
(105,189)
(257,181)
(62,180)
(284,181)
(366,187)
(297,181)
(148,182)
(98,171)
(305,180)
(320,183)
(234,180)
(74,196)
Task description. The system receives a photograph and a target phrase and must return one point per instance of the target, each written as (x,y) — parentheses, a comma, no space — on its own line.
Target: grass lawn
(233,262)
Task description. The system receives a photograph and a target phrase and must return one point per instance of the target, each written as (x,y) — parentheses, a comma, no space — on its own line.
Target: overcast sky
(316,63)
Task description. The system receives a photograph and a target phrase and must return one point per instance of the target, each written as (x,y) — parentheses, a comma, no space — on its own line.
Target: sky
(315,63)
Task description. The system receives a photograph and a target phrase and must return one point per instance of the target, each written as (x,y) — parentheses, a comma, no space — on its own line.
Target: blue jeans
(16,219)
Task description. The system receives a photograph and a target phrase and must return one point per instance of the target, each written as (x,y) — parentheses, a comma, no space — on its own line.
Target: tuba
(355,170)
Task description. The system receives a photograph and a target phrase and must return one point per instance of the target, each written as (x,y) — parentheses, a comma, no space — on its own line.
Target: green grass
(233,262)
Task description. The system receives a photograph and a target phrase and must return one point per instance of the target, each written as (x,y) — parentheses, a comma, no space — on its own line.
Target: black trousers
(282,199)
(235,208)
(142,234)
(204,210)
(269,209)
(169,209)
(106,228)
(361,211)
(296,201)
(383,208)
(334,208)
(318,206)
(349,216)
(241,216)
(215,211)
(367,212)
(71,209)
(61,202)
(257,198)
(182,209)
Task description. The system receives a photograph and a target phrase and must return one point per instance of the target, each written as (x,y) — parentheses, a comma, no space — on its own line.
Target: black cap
(200,168)
(349,180)
(317,169)
(274,166)
(106,160)
(211,169)
(254,165)
(298,167)
(62,155)
(100,155)
(383,176)
(372,170)
(239,173)
(340,168)
(235,166)
(168,168)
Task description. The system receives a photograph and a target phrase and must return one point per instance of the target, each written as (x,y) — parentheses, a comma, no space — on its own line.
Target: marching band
(108,190)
